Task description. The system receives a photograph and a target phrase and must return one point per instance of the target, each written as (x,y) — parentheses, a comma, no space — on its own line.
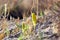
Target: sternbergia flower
(34,20)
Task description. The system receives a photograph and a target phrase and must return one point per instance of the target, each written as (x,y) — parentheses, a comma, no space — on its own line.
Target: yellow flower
(34,19)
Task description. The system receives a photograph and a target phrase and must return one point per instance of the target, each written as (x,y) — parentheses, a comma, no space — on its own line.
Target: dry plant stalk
(5,9)
(37,7)
(32,7)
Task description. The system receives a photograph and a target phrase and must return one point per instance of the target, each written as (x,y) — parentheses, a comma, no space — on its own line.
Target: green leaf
(34,20)
(41,13)
(7,31)
(21,37)
(24,27)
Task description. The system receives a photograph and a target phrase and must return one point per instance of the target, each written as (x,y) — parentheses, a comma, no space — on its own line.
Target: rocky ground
(47,28)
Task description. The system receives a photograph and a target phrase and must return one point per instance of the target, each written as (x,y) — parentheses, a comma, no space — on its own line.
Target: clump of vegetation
(25,28)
